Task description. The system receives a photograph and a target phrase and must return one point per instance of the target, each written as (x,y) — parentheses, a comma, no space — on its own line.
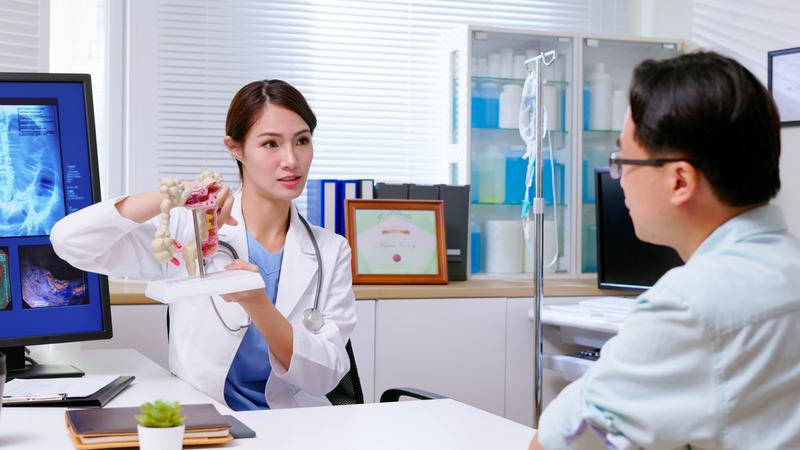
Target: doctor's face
(277,154)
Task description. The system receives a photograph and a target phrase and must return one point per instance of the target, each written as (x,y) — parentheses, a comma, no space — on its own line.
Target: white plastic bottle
(510,100)
(619,103)
(600,93)
(494,65)
(483,67)
(519,71)
(506,62)
(551,98)
(492,175)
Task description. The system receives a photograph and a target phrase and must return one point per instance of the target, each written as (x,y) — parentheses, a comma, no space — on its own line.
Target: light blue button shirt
(708,359)
(250,369)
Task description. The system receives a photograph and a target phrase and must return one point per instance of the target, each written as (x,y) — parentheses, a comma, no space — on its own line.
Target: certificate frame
(783,69)
(380,232)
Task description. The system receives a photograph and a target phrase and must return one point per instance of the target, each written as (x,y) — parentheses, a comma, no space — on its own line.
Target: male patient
(710,356)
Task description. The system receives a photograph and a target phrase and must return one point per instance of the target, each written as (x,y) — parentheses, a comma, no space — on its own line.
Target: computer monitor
(48,168)
(623,261)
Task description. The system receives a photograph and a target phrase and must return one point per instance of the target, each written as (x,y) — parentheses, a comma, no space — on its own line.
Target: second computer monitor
(624,261)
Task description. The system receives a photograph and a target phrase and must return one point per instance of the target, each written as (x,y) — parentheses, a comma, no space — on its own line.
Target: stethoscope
(312,318)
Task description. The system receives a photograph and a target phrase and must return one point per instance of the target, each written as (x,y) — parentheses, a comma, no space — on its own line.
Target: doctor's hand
(246,298)
(535,445)
(224,205)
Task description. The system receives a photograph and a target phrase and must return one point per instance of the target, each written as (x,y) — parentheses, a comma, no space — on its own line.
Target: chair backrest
(348,391)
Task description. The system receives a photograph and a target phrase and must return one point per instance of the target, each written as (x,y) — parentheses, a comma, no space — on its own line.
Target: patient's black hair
(710,109)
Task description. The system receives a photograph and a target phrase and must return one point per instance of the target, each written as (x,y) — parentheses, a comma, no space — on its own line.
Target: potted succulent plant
(160,426)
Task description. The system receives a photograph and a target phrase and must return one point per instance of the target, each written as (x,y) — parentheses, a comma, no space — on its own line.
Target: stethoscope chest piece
(313,320)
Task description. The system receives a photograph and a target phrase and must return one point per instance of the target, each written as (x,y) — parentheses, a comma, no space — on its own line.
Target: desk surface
(436,424)
(131,292)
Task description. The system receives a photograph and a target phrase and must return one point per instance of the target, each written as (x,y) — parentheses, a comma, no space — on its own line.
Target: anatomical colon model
(203,197)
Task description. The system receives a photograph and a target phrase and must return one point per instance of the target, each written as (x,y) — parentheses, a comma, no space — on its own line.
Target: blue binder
(321,203)
(345,189)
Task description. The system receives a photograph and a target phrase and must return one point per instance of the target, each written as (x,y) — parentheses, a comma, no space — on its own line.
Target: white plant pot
(160,438)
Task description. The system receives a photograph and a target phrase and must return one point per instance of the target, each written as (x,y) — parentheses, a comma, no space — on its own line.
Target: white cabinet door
(519,361)
(363,342)
(453,347)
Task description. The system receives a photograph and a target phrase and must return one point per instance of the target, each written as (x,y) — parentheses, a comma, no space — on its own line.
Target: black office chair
(394,394)
(348,391)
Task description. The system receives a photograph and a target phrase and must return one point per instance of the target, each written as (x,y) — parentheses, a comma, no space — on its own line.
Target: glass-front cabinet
(584,91)
(607,69)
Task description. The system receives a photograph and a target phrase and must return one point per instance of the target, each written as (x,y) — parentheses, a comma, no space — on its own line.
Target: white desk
(435,424)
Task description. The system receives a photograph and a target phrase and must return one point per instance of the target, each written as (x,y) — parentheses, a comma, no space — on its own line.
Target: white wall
(745,30)
(790,182)
(664,19)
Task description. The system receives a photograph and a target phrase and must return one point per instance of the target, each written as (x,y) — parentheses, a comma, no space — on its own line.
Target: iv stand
(538,247)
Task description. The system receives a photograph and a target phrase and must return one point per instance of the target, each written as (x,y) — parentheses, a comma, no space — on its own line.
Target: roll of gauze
(549,247)
(504,246)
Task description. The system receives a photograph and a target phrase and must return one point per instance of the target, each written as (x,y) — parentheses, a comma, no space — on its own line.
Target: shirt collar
(763,219)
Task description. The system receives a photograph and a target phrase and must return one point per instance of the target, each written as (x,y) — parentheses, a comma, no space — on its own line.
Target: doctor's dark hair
(708,108)
(248,105)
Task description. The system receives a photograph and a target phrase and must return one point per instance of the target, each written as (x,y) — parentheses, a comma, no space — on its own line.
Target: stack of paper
(40,389)
(93,390)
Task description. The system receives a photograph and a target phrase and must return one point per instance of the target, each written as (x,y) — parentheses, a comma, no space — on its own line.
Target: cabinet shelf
(510,203)
(519,81)
(601,132)
(553,132)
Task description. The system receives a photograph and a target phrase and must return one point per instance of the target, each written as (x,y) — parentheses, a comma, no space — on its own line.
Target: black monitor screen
(623,261)
(48,169)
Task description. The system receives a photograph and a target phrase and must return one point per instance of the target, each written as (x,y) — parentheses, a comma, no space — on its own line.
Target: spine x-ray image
(31,187)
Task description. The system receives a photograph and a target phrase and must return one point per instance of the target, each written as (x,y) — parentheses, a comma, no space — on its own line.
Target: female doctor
(250,350)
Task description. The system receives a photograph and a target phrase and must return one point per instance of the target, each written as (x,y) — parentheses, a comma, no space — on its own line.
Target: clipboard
(98,399)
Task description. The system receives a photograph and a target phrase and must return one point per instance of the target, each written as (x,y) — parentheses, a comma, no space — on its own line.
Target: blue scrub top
(250,369)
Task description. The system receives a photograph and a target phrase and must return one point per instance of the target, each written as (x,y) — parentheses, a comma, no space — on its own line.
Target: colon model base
(217,283)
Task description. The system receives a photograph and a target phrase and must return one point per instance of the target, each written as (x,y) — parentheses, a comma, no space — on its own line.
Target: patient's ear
(234,148)
(683,182)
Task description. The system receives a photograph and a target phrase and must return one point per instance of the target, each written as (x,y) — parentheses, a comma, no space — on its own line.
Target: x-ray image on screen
(48,280)
(31,192)
(5,284)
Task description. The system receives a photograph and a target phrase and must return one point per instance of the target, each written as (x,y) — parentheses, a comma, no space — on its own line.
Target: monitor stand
(18,366)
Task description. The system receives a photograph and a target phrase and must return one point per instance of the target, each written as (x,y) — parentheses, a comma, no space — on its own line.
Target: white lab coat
(201,350)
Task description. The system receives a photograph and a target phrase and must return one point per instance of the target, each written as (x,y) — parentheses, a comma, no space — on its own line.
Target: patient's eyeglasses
(615,163)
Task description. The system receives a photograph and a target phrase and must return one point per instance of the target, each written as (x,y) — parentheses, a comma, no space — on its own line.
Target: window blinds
(371,71)
(23,35)
(78,35)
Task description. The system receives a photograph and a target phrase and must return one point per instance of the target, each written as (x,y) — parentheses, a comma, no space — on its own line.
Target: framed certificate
(783,79)
(397,241)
